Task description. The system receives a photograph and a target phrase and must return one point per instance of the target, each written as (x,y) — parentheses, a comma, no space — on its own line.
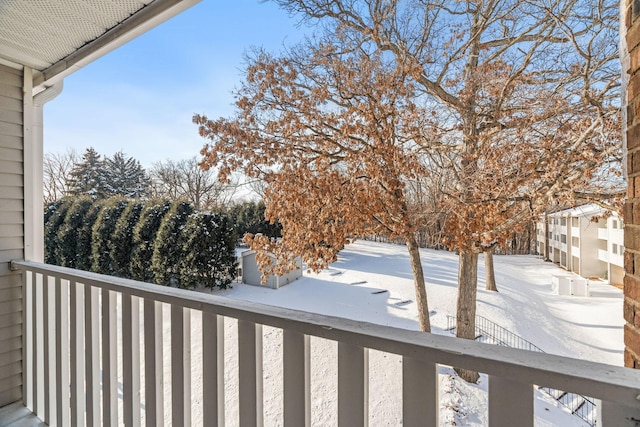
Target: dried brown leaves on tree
(335,136)
(506,106)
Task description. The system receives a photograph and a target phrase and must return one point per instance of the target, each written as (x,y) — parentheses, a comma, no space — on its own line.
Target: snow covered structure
(251,275)
(582,240)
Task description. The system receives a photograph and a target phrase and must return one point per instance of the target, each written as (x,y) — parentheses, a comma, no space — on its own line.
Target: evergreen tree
(144,235)
(101,235)
(167,250)
(125,176)
(51,208)
(248,217)
(66,250)
(84,236)
(120,244)
(208,249)
(88,178)
(55,214)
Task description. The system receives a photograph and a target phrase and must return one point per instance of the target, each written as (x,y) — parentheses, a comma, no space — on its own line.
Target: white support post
(510,401)
(250,366)
(353,385)
(213,369)
(153,351)
(109,360)
(180,366)
(420,397)
(296,373)
(92,354)
(131,359)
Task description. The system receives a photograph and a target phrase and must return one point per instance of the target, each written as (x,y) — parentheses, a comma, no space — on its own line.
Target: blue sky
(140,98)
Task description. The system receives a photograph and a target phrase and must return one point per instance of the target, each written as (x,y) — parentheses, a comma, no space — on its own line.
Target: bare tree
(57,169)
(185,180)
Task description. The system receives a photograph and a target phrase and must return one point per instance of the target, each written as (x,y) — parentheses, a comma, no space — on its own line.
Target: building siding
(11,233)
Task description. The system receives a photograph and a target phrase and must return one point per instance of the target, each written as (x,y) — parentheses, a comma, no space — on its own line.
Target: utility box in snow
(561,285)
(580,287)
(251,275)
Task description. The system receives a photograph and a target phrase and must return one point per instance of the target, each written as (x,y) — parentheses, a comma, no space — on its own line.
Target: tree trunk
(420,287)
(489,271)
(466,305)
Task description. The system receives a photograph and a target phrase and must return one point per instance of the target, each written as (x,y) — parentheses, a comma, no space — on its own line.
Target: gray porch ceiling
(54,36)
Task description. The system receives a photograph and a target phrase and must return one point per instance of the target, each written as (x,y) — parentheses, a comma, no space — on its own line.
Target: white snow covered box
(251,275)
(561,285)
(580,287)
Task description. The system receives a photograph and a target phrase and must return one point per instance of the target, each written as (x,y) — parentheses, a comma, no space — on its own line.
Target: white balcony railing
(603,233)
(78,384)
(603,255)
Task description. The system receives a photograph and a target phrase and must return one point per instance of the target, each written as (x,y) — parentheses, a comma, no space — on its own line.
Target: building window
(614,224)
(563,222)
(556,238)
(563,238)
(550,235)
(575,241)
(614,248)
(575,222)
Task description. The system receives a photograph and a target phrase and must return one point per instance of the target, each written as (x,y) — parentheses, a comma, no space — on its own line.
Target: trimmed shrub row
(152,241)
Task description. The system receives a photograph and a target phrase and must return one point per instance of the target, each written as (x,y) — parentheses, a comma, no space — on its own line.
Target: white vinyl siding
(11,233)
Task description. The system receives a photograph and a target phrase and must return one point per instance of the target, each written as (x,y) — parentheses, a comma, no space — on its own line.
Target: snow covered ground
(588,328)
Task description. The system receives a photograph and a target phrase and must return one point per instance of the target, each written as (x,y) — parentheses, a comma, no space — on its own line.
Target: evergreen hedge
(102,233)
(208,252)
(55,214)
(85,236)
(144,235)
(167,250)
(120,244)
(67,236)
(162,242)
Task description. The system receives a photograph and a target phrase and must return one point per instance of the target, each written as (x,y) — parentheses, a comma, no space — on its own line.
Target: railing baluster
(131,359)
(92,351)
(250,367)
(154,396)
(353,385)
(213,369)
(46,344)
(509,401)
(420,399)
(61,298)
(76,353)
(180,366)
(109,359)
(296,373)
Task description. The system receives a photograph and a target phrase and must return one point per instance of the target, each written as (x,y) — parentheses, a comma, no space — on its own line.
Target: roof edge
(143,20)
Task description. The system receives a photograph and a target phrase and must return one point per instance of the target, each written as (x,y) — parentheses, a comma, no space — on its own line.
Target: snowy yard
(585,328)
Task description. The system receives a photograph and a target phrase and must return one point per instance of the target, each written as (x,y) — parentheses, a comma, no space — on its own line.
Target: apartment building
(584,241)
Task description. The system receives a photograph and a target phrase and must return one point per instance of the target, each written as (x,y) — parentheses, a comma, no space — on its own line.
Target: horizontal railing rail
(61,301)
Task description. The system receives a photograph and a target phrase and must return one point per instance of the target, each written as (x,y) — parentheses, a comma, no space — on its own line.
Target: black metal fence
(491,333)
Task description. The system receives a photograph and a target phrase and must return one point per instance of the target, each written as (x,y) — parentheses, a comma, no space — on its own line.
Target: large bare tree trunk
(489,271)
(466,305)
(420,287)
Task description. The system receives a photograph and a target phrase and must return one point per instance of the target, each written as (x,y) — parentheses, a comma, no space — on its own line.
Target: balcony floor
(17,415)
